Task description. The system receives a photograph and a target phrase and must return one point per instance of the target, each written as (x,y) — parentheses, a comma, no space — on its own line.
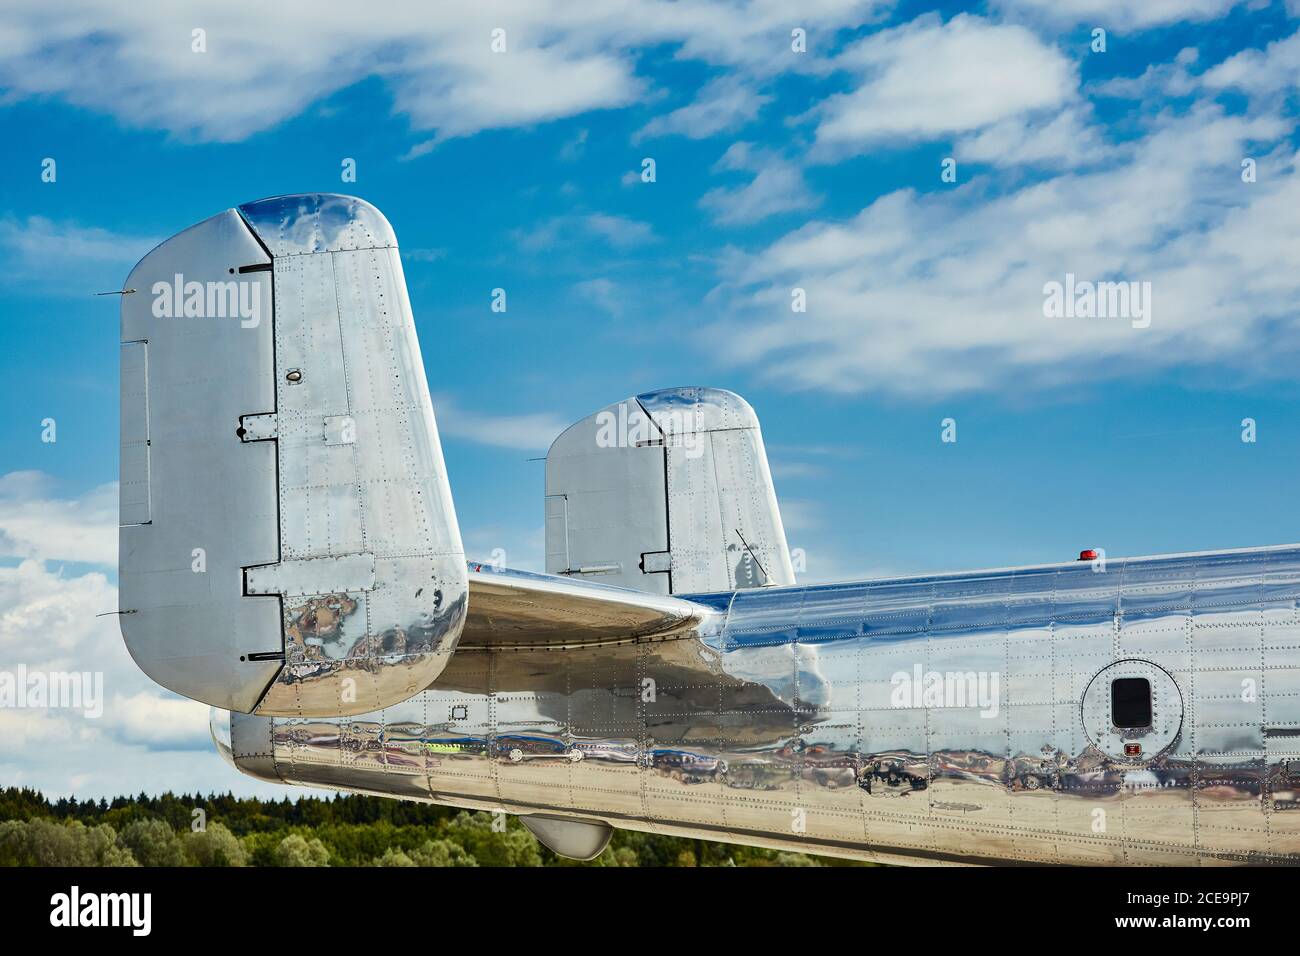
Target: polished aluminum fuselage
(803,718)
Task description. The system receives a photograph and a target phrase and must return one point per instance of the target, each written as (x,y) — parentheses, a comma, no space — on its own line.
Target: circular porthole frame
(1167,712)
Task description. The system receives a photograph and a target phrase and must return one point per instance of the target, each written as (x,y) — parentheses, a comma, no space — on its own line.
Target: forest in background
(350,830)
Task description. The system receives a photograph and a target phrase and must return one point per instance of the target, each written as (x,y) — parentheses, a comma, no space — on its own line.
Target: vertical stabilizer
(288,540)
(668,492)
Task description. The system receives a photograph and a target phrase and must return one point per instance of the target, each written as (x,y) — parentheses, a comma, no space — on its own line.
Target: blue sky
(774,170)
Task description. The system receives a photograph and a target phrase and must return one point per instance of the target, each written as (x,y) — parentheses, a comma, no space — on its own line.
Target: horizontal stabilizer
(521,609)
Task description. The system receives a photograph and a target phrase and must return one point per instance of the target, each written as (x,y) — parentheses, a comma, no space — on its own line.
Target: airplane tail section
(288,543)
(667,492)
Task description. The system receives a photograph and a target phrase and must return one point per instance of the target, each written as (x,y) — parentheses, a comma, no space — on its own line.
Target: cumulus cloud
(928,79)
(1174,78)
(942,293)
(36,523)
(1264,75)
(267,62)
(49,625)
(1274,69)
(523,549)
(47,618)
(160,723)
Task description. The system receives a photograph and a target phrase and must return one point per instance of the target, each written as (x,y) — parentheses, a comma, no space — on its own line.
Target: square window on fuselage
(1130,703)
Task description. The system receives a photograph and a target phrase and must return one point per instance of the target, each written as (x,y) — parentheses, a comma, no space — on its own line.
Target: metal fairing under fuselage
(967,718)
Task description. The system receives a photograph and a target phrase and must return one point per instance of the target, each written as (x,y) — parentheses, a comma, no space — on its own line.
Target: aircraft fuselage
(950,718)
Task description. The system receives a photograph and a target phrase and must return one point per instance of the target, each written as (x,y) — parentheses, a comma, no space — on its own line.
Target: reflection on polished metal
(667,492)
(1138,711)
(219,728)
(796,705)
(297,456)
(576,839)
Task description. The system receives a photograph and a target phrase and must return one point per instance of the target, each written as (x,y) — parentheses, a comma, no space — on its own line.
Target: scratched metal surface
(781,724)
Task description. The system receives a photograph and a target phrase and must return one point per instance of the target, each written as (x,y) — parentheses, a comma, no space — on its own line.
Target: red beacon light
(1089,554)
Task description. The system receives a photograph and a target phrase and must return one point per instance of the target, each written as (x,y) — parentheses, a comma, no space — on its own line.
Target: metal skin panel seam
(862,827)
(343,269)
(317,246)
(929,718)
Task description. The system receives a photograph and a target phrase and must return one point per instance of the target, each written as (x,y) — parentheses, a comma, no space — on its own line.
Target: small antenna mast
(766,577)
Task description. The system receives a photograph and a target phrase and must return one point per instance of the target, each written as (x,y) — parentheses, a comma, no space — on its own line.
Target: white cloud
(928,79)
(433,254)
(1263,74)
(1274,69)
(1117,14)
(795,470)
(800,515)
(67,258)
(1159,79)
(145,737)
(574,148)
(160,723)
(36,524)
(1061,139)
(617,231)
(941,293)
(724,104)
(521,549)
(267,62)
(778,186)
(528,431)
(825,564)
(47,619)
(603,293)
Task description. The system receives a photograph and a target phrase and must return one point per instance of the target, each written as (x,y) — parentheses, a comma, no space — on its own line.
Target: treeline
(352,830)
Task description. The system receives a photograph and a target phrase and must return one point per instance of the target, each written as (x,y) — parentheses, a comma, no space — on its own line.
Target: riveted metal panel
(667,492)
(940,718)
(362,484)
(301,554)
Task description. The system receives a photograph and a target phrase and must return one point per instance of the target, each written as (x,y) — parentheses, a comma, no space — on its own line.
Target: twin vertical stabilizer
(668,492)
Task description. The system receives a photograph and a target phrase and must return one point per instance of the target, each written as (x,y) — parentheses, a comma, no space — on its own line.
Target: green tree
(441,853)
(46,843)
(513,846)
(215,846)
(297,850)
(152,843)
